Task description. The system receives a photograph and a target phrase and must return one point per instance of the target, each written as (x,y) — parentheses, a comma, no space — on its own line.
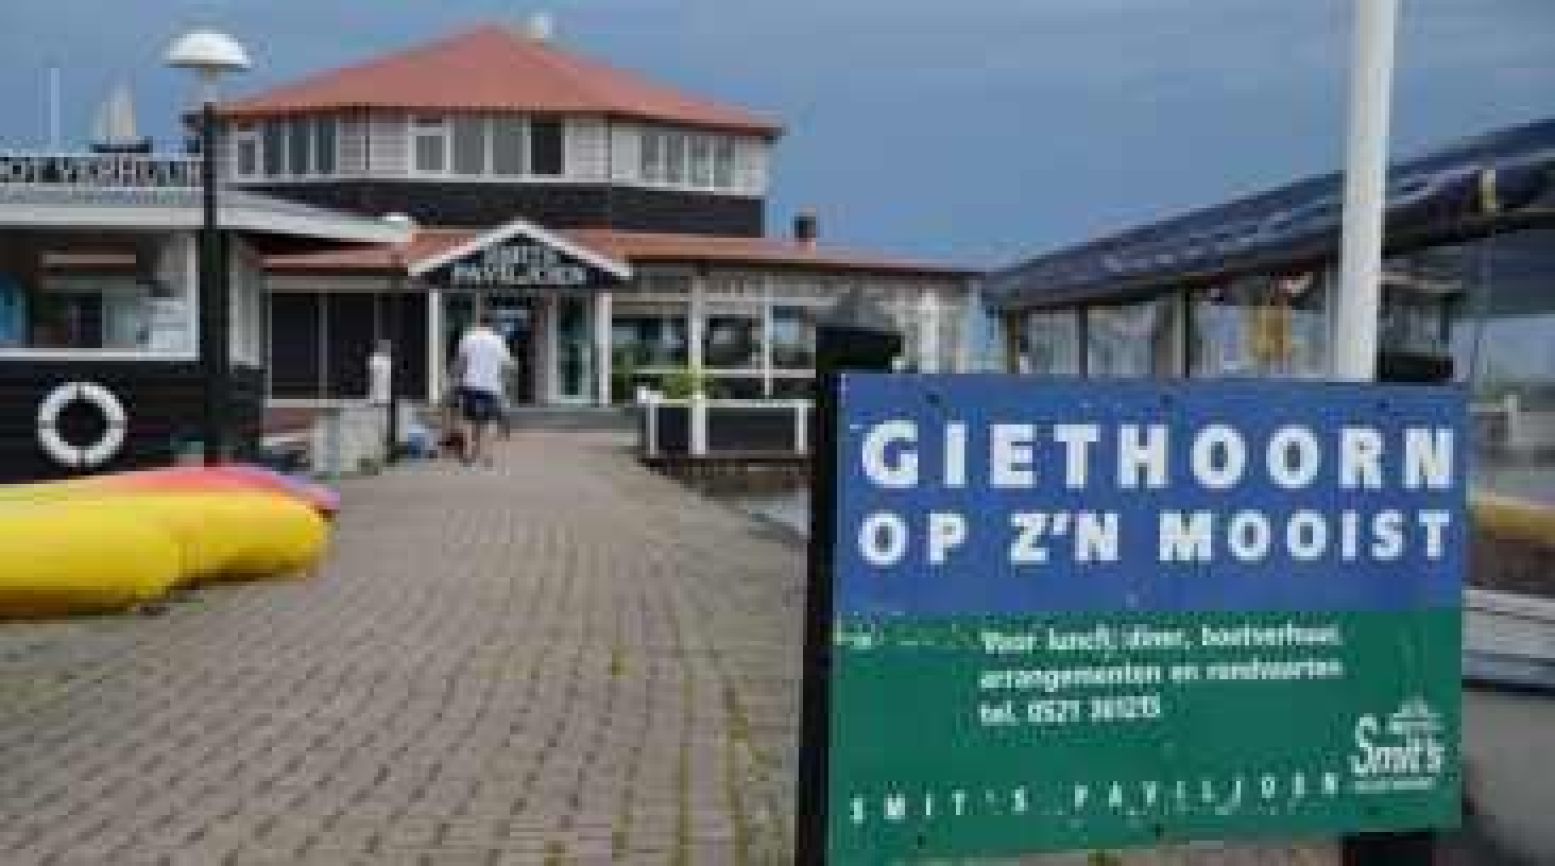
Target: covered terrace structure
(1246,289)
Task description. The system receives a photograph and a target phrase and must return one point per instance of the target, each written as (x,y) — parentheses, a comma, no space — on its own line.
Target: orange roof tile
(634,248)
(493,68)
(381,259)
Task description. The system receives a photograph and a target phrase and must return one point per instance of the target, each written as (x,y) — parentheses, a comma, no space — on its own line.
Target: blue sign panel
(1042,496)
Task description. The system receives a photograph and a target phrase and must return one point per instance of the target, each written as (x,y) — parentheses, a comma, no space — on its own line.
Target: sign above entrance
(1083,615)
(518,265)
(520,255)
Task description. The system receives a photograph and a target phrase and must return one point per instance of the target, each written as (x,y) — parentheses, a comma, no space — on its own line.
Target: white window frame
(429,126)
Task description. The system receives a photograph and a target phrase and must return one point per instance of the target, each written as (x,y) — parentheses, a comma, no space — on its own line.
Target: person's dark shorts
(479,407)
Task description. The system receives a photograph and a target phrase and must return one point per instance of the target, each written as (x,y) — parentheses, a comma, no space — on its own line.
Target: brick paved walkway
(565,660)
(541,663)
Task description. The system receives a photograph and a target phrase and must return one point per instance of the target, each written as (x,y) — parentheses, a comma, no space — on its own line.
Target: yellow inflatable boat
(58,559)
(79,547)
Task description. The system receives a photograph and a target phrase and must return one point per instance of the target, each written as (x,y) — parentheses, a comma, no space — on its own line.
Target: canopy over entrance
(520,256)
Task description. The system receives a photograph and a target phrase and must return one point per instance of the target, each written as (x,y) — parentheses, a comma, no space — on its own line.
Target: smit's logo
(1407,745)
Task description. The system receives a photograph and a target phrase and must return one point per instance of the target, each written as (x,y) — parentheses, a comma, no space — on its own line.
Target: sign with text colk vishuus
(1075,615)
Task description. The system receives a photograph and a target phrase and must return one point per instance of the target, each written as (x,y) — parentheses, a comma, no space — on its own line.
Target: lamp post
(210,54)
(391,443)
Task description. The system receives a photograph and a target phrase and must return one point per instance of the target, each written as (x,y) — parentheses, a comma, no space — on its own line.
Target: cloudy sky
(975,130)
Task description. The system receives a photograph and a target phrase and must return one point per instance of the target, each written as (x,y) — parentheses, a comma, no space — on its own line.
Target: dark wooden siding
(554,205)
(163,401)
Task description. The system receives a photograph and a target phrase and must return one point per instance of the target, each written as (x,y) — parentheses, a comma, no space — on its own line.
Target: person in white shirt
(481,369)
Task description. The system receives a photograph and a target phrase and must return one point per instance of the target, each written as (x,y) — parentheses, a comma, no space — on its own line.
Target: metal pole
(214,356)
(1365,188)
(396,347)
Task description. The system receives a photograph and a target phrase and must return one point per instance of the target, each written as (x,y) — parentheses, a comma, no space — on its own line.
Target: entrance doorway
(517,319)
(549,335)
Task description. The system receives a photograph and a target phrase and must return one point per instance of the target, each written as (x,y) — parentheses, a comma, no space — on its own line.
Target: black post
(852,338)
(214,355)
(396,348)
(1416,848)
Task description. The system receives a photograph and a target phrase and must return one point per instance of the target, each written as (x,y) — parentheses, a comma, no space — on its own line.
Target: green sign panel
(1079,616)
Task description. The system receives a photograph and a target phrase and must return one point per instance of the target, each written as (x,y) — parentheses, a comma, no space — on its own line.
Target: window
(508,144)
(649,336)
(299,151)
(324,145)
(138,301)
(1134,340)
(701,161)
(1050,344)
(723,163)
(1262,326)
(469,145)
(1504,348)
(274,135)
(731,340)
(674,158)
(430,145)
(246,144)
(793,338)
(653,156)
(546,147)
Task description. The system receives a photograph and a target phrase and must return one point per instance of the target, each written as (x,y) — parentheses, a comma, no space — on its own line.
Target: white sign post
(1365,191)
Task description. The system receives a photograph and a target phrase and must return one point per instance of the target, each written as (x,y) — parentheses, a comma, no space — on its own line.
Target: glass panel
(1262,326)
(574,348)
(248,156)
(71,309)
(701,161)
(1051,344)
(674,158)
(1504,345)
(458,315)
(469,134)
(723,163)
(546,148)
(732,341)
(652,156)
(299,152)
(1133,340)
(655,337)
(793,338)
(507,145)
(430,155)
(274,132)
(324,145)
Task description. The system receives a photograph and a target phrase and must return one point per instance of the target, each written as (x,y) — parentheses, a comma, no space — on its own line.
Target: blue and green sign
(1084,615)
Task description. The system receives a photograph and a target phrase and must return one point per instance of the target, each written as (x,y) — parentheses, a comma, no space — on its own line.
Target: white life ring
(81,456)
